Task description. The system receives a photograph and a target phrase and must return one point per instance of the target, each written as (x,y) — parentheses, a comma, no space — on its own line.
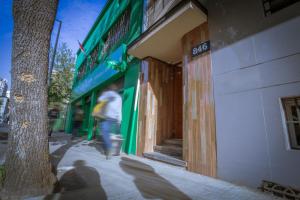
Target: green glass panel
(128,99)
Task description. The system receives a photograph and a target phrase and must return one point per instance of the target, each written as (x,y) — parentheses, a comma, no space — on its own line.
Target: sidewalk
(84,174)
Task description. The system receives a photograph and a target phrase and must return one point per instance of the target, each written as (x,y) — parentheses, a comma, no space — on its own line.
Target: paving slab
(84,173)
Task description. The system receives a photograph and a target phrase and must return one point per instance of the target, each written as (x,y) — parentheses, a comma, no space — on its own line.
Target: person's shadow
(150,184)
(59,153)
(82,182)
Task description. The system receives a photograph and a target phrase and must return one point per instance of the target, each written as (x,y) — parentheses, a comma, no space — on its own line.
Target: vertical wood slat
(199,140)
(177,106)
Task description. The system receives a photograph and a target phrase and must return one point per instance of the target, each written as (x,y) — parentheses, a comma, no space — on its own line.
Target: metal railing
(153,9)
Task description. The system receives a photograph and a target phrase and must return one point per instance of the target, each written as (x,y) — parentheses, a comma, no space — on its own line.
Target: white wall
(255,62)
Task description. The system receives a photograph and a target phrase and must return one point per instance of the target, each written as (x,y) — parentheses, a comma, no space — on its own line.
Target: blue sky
(77,16)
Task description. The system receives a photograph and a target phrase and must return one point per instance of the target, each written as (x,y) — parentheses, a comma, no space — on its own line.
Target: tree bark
(27,165)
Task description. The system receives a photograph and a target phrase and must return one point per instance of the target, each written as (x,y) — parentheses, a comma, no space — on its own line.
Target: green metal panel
(128,99)
(133,133)
(128,122)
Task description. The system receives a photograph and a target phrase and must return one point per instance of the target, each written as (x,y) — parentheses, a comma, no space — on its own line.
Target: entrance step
(177,142)
(171,150)
(165,158)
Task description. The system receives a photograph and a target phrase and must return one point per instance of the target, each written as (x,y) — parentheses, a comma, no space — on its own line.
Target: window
(272,6)
(117,32)
(291,107)
(82,70)
(153,9)
(94,57)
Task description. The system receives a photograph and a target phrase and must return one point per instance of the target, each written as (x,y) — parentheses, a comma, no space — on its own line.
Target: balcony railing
(155,9)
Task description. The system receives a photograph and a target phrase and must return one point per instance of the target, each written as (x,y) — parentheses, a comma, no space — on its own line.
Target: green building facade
(105,61)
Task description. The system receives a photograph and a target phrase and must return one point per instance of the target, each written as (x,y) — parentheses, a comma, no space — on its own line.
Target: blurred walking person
(108,112)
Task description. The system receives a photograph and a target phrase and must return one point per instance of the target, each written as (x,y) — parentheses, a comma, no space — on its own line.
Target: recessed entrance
(161,105)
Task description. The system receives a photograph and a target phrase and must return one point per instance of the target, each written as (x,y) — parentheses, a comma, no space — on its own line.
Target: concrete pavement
(84,173)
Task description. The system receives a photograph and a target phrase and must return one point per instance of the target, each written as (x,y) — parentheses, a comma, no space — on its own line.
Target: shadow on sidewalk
(58,154)
(98,145)
(82,182)
(150,184)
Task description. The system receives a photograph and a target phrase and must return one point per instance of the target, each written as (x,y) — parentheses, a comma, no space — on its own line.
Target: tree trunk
(27,165)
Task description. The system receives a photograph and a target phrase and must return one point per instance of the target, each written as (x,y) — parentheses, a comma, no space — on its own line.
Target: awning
(163,39)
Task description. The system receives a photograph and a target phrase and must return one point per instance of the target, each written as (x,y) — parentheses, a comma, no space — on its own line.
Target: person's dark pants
(107,127)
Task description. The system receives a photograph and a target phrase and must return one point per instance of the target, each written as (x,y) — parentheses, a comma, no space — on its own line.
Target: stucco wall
(255,62)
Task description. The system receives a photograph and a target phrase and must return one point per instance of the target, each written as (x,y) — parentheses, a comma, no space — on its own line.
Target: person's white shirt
(113,107)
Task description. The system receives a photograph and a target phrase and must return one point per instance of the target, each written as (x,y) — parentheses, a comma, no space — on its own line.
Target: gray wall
(255,62)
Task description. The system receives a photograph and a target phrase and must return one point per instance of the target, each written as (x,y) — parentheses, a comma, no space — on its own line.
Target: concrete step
(171,150)
(177,142)
(165,158)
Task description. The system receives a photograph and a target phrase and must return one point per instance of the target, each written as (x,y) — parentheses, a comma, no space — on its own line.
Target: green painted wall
(128,121)
(112,11)
(104,74)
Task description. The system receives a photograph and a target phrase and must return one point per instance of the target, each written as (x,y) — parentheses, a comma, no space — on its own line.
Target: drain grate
(280,190)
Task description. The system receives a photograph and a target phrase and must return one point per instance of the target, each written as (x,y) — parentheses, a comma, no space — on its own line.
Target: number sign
(201,48)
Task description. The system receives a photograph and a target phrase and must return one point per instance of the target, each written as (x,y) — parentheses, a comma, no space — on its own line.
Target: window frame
(93,65)
(83,66)
(269,10)
(291,138)
(100,45)
(111,47)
